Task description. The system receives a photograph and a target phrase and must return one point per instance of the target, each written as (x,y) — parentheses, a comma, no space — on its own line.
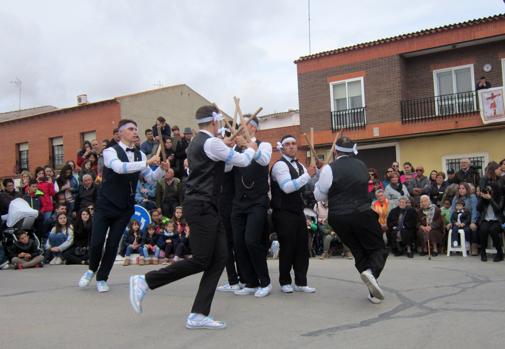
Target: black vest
(117,191)
(251,182)
(288,202)
(349,190)
(205,175)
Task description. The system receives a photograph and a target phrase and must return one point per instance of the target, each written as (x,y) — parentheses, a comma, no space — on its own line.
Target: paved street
(456,302)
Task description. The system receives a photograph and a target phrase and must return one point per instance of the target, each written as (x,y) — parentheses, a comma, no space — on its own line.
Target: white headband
(354,149)
(127,125)
(253,123)
(214,117)
(280,145)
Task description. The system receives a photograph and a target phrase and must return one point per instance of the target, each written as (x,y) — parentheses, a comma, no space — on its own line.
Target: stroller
(20,217)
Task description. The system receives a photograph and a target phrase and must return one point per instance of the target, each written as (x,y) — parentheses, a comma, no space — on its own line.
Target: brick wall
(274,135)
(68,123)
(419,70)
(383,86)
(389,80)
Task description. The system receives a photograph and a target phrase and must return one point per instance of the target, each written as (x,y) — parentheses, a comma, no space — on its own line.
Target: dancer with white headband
(207,157)
(249,217)
(344,184)
(123,163)
(288,179)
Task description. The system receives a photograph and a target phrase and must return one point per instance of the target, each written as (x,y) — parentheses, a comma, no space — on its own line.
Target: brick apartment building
(410,97)
(51,136)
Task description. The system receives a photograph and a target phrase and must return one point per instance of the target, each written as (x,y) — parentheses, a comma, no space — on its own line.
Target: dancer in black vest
(288,179)
(207,156)
(116,199)
(344,183)
(249,218)
(235,277)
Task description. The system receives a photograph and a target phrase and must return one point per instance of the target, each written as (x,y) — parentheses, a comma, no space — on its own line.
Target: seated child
(151,250)
(133,242)
(166,242)
(26,253)
(460,219)
(60,238)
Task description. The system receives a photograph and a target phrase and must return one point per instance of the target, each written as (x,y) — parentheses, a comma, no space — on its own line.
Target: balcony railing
(439,106)
(349,118)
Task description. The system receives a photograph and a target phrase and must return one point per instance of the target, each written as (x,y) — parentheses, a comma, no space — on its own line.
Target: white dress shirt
(280,174)
(262,156)
(216,150)
(325,180)
(111,160)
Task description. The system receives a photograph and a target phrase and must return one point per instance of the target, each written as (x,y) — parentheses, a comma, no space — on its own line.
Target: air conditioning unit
(82,99)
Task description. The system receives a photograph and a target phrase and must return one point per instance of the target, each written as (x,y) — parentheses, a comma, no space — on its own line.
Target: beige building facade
(177,104)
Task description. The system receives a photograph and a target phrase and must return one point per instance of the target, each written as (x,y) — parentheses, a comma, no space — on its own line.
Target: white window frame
(451,69)
(346,81)
(88,136)
(463,156)
(24,147)
(57,141)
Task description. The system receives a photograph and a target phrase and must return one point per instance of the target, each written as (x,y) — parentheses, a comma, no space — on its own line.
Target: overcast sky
(60,49)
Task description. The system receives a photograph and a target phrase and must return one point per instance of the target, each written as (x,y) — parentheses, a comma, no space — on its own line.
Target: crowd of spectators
(65,201)
(421,214)
(417,213)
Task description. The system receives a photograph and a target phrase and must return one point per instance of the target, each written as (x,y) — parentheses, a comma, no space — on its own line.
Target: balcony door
(454,91)
(347,103)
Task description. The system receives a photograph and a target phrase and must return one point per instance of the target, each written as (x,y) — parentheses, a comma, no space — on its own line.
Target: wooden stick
(234,121)
(312,150)
(330,152)
(162,145)
(235,134)
(242,120)
(257,112)
(312,158)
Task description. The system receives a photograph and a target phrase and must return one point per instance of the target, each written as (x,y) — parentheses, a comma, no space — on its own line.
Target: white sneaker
(455,244)
(372,284)
(176,259)
(287,289)
(305,289)
(373,299)
(86,279)
(101,286)
(58,261)
(138,290)
(245,291)
(53,261)
(263,291)
(228,288)
(199,321)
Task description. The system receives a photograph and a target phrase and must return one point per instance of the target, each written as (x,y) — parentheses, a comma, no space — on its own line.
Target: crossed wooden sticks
(243,122)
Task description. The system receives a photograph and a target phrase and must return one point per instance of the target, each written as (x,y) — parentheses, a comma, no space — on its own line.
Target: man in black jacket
(86,195)
(467,174)
(344,183)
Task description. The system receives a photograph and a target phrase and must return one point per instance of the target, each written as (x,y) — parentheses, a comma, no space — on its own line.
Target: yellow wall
(428,151)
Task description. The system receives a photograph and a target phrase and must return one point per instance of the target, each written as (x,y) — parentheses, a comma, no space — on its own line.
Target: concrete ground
(456,302)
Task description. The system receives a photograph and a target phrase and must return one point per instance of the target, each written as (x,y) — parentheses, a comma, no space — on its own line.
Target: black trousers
(492,228)
(101,260)
(293,237)
(362,233)
(208,245)
(232,269)
(249,224)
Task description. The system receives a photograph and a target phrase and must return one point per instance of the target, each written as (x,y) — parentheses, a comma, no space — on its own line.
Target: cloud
(60,49)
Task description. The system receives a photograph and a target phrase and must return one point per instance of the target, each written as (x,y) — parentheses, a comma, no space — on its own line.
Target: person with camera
(490,207)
